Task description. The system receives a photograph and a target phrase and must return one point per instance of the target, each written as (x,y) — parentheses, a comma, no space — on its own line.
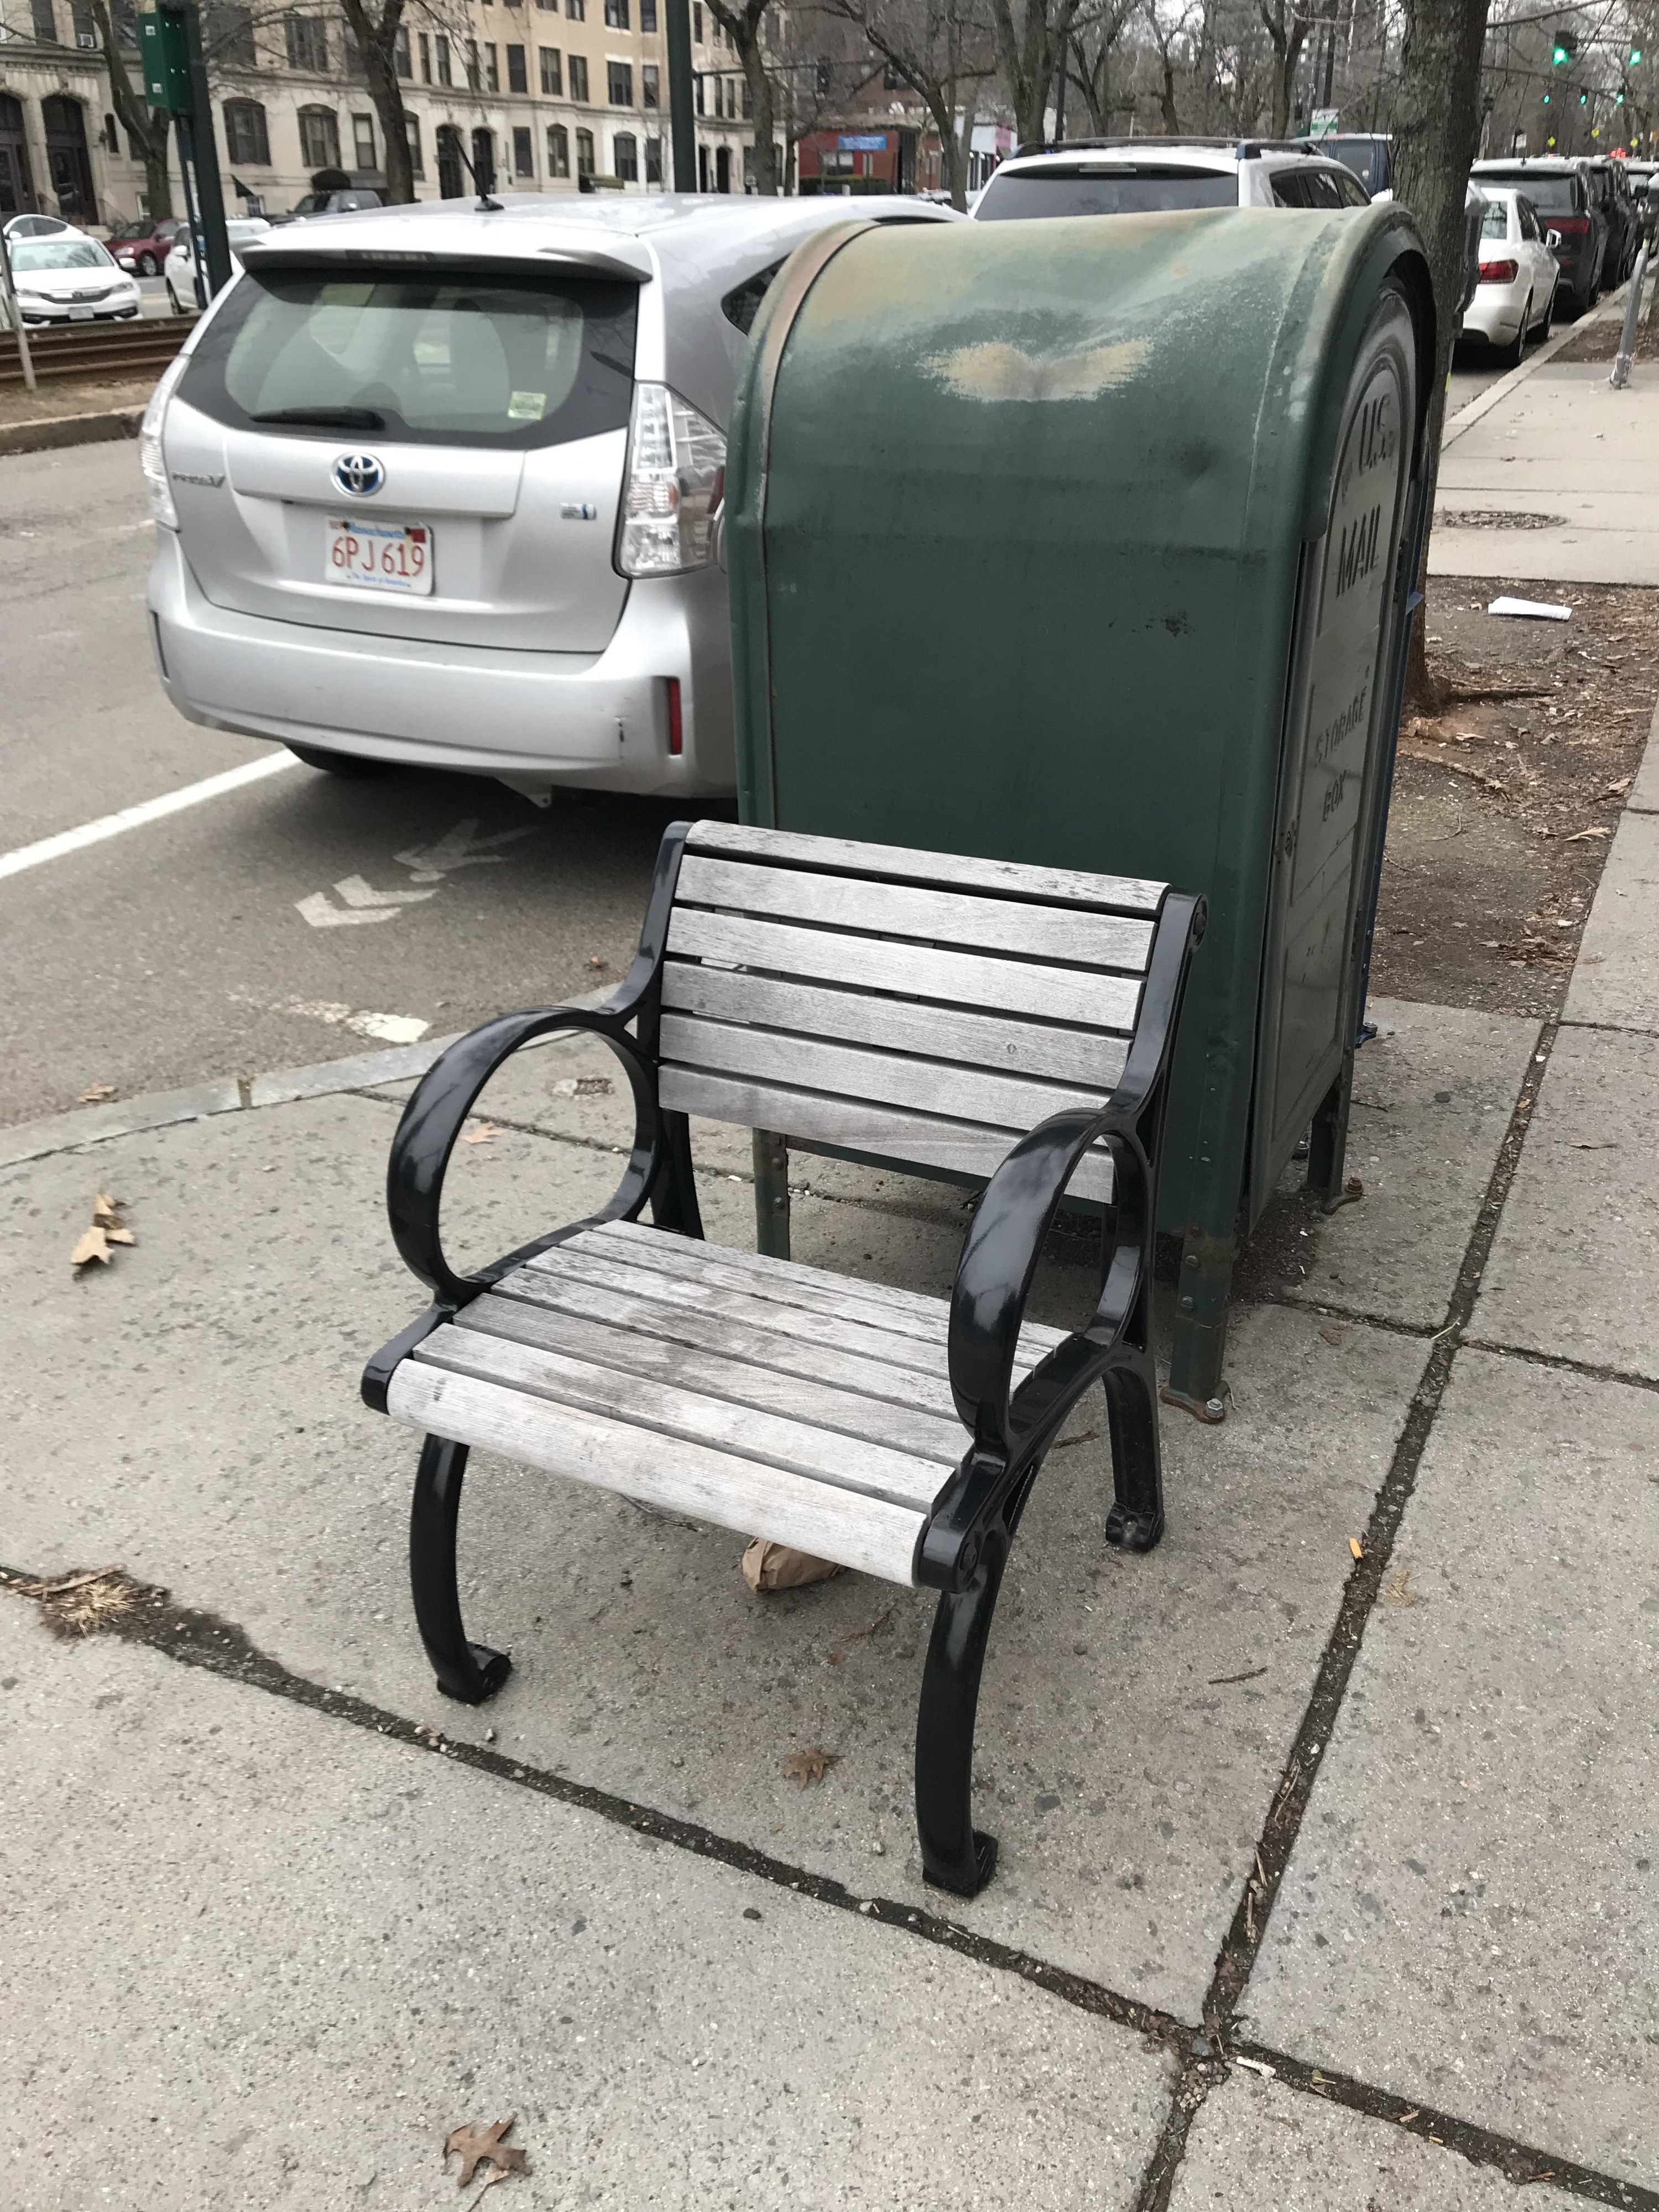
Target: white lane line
(135,817)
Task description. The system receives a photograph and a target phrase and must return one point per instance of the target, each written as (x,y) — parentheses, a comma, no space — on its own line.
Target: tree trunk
(375,36)
(145,126)
(767,181)
(1166,100)
(1027,55)
(1436,128)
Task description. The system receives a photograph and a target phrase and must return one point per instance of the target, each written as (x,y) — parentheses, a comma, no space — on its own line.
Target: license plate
(380,556)
(81,314)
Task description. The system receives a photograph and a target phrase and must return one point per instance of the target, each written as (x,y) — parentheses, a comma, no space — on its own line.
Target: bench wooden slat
(763,1270)
(813,1288)
(870,1534)
(1073,935)
(1091,1058)
(972,979)
(853,1071)
(742,1382)
(883,1132)
(728,1336)
(695,1413)
(1122,894)
(852,1333)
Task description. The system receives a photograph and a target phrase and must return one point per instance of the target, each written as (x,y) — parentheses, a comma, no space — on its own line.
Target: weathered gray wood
(659,1247)
(742,1382)
(870,1534)
(773,1439)
(886,1132)
(728,1337)
(887,1079)
(1072,934)
(1125,894)
(1085,1057)
(976,980)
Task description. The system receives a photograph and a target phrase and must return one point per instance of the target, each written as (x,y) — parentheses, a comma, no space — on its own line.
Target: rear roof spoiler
(619,258)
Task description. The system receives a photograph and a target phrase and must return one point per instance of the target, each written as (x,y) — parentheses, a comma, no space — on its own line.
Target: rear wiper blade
(327,418)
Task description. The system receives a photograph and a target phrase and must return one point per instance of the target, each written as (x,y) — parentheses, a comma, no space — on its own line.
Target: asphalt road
(177,951)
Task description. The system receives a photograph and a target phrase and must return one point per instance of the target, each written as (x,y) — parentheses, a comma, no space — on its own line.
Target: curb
(164,1109)
(70,430)
(1483,402)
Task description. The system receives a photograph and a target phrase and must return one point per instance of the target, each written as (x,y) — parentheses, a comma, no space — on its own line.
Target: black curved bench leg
(1135,1520)
(955,1854)
(468,1672)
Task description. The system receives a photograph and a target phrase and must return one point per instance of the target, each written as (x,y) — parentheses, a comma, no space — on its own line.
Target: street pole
(681,123)
(14,313)
(210,193)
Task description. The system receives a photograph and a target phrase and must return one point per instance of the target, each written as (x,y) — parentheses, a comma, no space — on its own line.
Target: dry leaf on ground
(477,2147)
(107,1228)
(583,1086)
(1334,1331)
(93,1093)
(481,1135)
(1397,1591)
(80,1604)
(107,1211)
(1579,835)
(767,1566)
(808,1764)
(93,1245)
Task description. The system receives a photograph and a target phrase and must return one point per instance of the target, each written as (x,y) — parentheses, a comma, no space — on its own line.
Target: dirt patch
(1504,805)
(64,396)
(1597,338)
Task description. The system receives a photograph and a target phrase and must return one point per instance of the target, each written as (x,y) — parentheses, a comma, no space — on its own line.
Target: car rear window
(1013,194)
(1553,195)
(453,357)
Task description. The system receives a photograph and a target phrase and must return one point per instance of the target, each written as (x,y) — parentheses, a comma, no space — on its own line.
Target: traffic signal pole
(175,80)
(682,124)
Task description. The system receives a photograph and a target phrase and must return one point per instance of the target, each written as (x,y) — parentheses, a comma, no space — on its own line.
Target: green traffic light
(1546,100)
(1559,56)
(1583,100)
(1636,57)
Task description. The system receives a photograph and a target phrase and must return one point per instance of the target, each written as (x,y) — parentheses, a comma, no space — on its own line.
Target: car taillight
(675,732)
(675,483)
(1570,226)
(1499,272)
(152,461)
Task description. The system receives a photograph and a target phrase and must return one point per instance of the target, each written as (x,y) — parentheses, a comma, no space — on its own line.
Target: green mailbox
(1092,542)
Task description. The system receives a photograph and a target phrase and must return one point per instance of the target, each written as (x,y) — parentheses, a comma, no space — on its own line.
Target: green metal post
(771,1155)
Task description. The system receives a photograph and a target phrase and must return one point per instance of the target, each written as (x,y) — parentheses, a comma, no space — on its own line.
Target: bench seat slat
(883,1132)
(1114,894)
(869,1535)
(663,1248)
(975,979)
(729,1337)
(1072,934)
(1089,1057)
(695,1413)
(886,1078)
(842,1407)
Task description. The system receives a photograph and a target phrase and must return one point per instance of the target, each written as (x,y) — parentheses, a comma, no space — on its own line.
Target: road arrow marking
(458,848)
(363,903)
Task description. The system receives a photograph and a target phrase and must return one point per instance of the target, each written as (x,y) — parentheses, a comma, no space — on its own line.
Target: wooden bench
(1011,1022)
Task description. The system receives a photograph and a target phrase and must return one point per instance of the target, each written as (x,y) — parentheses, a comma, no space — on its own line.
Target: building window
(230,30)
(653,160)
(246,141)
(620,84)
(558,150)
(517,77)
(492,70)
(578,80)
(524,155)
(551,5)
(616,14)
(44,22)
(698,84)
(416,166)
(400,56)
(584,153)
(320,136)
(483,160)
(426,59)
(576,9)
(444,77)
(552,72)
(650,96)
(647,15)
(625,157)
(362,141)
(307,44)
(748,101)
(696,21)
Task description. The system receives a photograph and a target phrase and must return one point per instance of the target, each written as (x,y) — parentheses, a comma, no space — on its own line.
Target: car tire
(1547,318)
(148,264)
(349,765)
(172,299)
(1511,356)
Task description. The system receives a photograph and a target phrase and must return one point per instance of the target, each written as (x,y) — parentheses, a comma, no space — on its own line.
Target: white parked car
(443,485)
(179,267)
(66,278)
(1141,176)
(1515,298)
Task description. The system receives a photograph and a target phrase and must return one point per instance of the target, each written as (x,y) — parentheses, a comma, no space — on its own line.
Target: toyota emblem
(358,475)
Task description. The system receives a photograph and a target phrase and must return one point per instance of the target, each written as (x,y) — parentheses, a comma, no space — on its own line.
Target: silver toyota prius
(440,485)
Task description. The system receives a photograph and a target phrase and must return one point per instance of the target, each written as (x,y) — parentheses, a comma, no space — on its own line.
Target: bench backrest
(921,1007)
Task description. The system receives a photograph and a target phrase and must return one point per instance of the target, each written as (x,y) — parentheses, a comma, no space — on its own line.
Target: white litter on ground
(1540,607)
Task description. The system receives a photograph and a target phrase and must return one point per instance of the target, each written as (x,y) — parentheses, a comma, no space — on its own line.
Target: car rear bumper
(596,720)
(1495,310)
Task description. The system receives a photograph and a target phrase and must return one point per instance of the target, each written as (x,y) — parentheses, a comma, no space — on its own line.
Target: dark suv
(1611,194)
(1561,195)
